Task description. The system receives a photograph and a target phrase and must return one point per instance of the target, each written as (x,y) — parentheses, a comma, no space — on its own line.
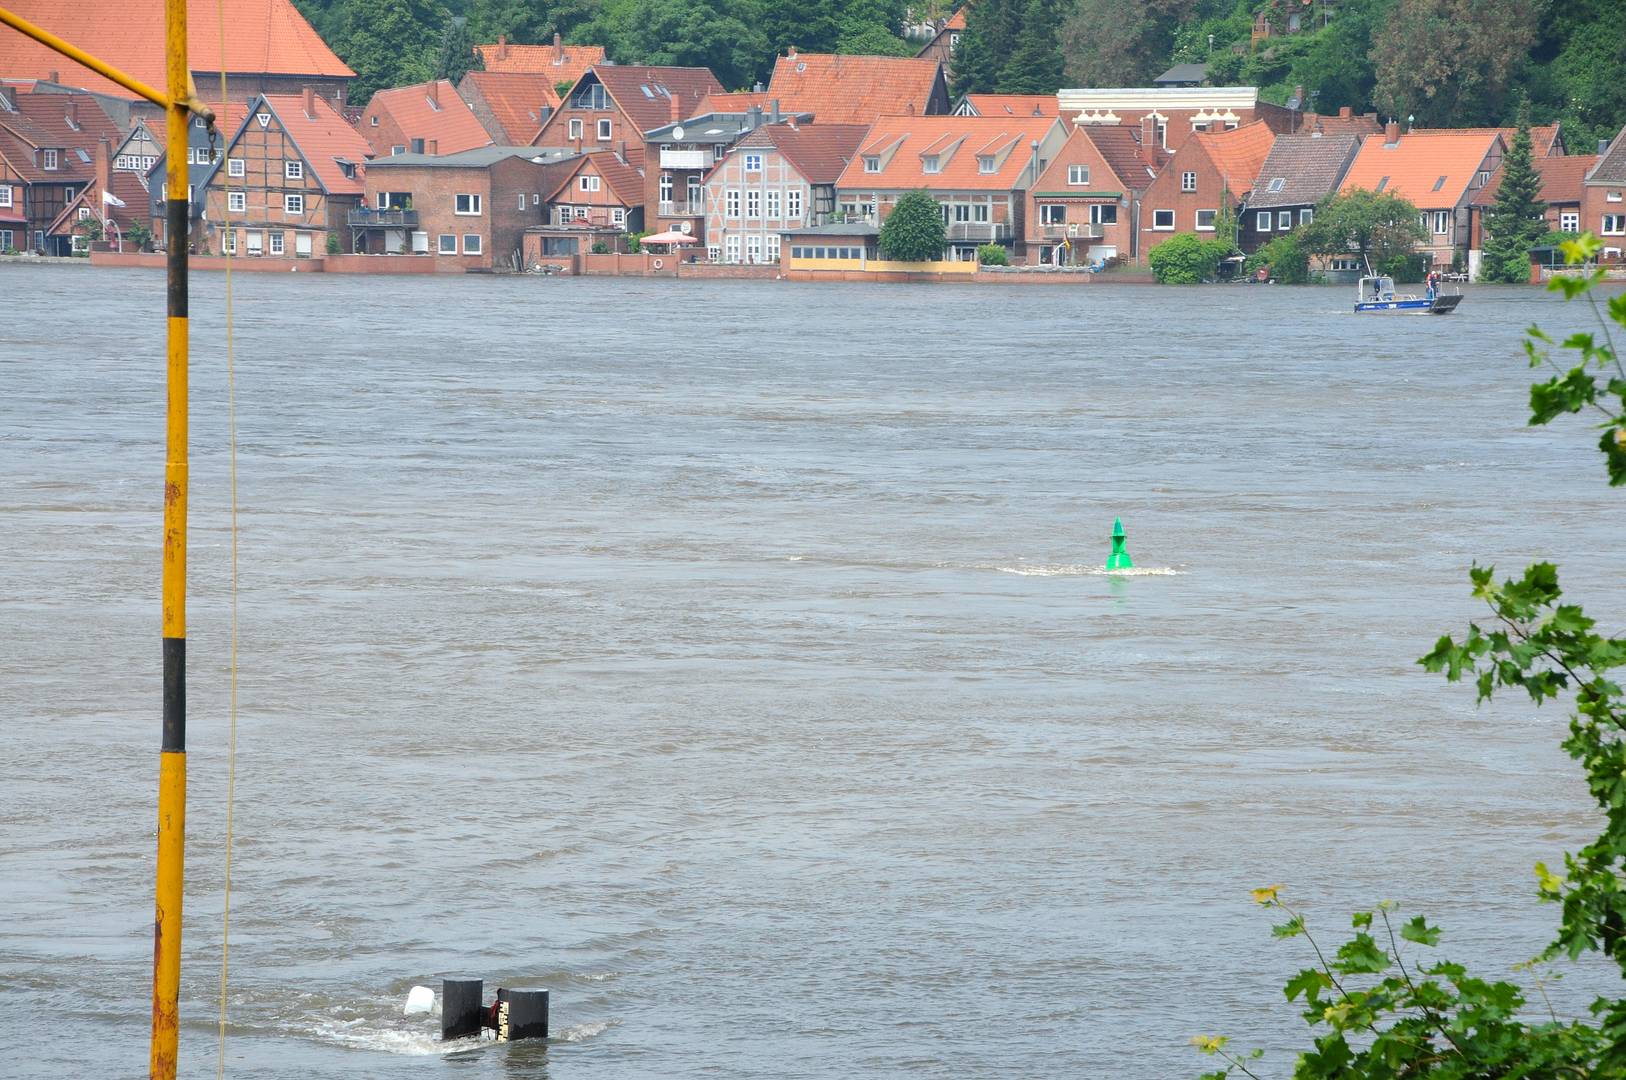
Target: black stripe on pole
(174,695)
(179,238)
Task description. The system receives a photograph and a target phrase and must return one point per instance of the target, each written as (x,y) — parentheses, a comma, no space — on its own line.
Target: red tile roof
(737,102)
(263,36)
(125,186)
(840,89)
(430,111)
(1120,148)
(1014,104)
(820,152)
(41,122)
(1560,179)
(1432,168)
(1238,154)
(625,182)
(901,143)
(324,139)
(645,93)
(562,63)
(1541,138)
(957,20)
(516,100)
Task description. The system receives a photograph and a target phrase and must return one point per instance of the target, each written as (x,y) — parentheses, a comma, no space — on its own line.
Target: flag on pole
(109,197)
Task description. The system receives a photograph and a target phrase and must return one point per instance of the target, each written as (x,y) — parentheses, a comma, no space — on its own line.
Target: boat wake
(418,1036)
(1086,570)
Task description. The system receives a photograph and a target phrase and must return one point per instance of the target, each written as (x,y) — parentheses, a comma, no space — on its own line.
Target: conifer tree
(1034,65)
(990,37)
(457,56)
(1518,220)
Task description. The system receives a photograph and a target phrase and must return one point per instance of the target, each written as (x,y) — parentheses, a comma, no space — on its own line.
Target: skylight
(1277,183)
(1440,183)
(1382,184)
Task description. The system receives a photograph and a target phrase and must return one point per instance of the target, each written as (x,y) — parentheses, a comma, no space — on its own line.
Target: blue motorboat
(1377,296)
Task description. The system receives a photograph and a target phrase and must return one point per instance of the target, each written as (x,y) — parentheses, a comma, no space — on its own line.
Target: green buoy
(1119,559)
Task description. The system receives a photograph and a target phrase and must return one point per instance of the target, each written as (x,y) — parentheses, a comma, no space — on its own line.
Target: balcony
(1070,231)
(986,231)
(685,159)
(362,217)
(682,209)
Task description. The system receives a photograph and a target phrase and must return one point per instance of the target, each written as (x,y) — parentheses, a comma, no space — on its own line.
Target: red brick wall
(1166,193)
(1080,151)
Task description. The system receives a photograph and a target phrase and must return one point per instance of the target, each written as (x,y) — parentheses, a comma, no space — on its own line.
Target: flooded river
(732,659)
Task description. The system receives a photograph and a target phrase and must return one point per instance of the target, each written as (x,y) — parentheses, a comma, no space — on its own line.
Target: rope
(231,433)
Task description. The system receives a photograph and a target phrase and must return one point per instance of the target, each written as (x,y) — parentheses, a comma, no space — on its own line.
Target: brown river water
(734,660)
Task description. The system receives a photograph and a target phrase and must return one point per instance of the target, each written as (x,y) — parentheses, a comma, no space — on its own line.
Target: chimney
(434,93)
(677,108)
(53,78)
(1391,133)
(1148,132)
(757,87)
(773,111)
(502,46)
(621,150)
(753,117)
(104,170)
(558,48)
(1345,112)
(790,54)
(434,146)
(73,111)
(310,102)
(1603,147)
(1298,92)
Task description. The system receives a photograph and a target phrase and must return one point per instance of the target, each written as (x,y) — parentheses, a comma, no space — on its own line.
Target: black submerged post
(460,1009)
(527,1013)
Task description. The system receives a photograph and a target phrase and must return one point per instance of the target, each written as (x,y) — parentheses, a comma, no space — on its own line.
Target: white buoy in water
(420,999)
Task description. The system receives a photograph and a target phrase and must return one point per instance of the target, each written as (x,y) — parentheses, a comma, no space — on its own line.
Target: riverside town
(561,158)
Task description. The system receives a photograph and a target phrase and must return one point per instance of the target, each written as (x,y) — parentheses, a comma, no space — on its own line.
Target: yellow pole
(166,949)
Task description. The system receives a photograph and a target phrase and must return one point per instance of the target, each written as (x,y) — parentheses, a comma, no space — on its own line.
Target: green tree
(1284,258)
(1451,62)
(914,231)
(1184,259)
(1034,66)
(1518,220)
(684,33)
(991,28)
(871,28)
(457,56)
(388,43)
(1376,1015)
(1375,227)
(993,255)
(1121,42)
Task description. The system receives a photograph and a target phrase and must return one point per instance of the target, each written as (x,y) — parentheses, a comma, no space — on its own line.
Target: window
(293,170)
(793,203)
(1440,183)
(471,243)
(236,202)
(228,242)
(1103,213)
(1382,184)
(1611,196)
(713,252)
(588,182)
(872,164)
(1052,214)
(774,199)
(446,243)
(1163,219)
(235,167)
(753,249)
(581,213)
(1343,262)
(1484,178)
(731,249)
(773,247)
(5,194)
(1163,135)
(84,213)
(753,163)
(618,216)
(931,163)
(191,156)
(467,205)
(1442,222)
(1284,220)
(48,159)
(1569,221)
(373,120)
(1262,221)
(1188,181)
(979,212)
(986,165)
(522,200)
(7,241)
(1205,220)
(666,187)
(731,203)
(256,242)
(1277,183)
(604,130)
(293,204)
(397,149)
(1306,216)
(719,152)
(753,203)
(1078,175)
(575,128)
(277,243)
(1614,225)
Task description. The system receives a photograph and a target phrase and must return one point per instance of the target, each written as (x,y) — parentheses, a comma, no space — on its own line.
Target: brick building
(679,156)
(610,108)
(1086,204)
(780,177)
(1174,113)
(1562,189)
(1299,172)
(202,152)
(287,181)
(600,189)
(47,154)
(428,118)
(839,89)
(945,39)
(978,168)
(1210,171)
(111,203)
(467,210)
(1603,197)
(269,47)
(511,105)
(1438,170)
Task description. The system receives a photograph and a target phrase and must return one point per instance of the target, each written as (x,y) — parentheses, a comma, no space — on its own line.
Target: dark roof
(1180,74)
(838,228)
(1304,168)
(711,127)
(1121,149)
(1611,167)
(645,94)
(819,151)
(479,158)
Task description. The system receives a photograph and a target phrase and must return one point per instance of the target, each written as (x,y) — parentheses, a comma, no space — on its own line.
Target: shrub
(635,242)
(993,255)
(139,235)
(600,248)
(914,231)
(1184,259)
(332,243)
(1405,269)
(1284,258)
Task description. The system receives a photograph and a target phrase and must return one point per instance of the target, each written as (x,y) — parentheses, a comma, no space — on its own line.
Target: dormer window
(872,163)
(48,160)
(931,163)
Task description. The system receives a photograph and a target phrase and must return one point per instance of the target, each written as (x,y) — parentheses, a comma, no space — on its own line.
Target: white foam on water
(587,1031)
(409,1041)
(1083,570)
